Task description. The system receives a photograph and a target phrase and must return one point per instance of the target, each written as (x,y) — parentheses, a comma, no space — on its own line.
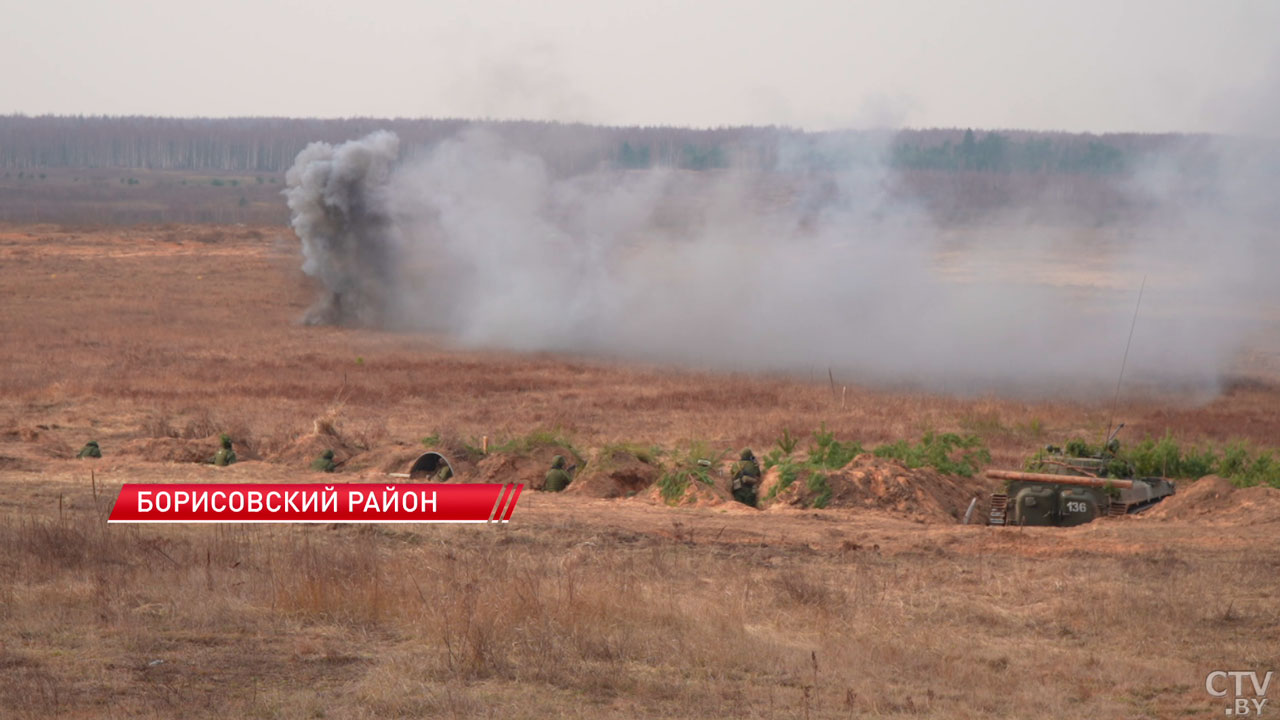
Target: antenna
(1116,400)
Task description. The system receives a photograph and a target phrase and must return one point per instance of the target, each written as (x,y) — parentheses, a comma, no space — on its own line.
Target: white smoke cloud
(788,270)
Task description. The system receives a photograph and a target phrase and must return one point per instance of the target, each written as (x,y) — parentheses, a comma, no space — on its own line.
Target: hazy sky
(1111,65)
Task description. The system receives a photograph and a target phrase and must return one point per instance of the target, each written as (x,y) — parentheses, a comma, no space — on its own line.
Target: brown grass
(143,332)
(553,616)
(580,608)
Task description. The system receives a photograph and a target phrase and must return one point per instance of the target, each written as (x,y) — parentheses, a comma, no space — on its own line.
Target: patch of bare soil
(869,482)
(1213,498)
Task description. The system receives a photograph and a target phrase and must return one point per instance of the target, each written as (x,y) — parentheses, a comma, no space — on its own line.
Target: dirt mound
(1213,499)
(395,458)
(23,434)
(616,474)
(178,450)
(15,463)
(875,483)
(529,467)
(462,458)
(44,443)
(301,452)
(326,434)
(692,493)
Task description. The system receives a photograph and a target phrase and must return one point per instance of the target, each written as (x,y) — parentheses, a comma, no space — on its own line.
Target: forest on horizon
(122,170)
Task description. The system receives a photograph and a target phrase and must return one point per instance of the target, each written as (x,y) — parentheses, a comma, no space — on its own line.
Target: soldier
(746,478)
(90,450)
(557,477)
(226,455)
(324,463)
(444,473)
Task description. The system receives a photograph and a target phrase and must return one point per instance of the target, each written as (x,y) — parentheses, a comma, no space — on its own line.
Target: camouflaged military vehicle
(1072,487)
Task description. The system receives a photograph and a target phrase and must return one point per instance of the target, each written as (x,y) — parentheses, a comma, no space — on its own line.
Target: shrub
(830,454)
(948,453)
(788,471)
(818,485)
(786,443)
(672,485)
(1167,458)
(647,454)
(554,437)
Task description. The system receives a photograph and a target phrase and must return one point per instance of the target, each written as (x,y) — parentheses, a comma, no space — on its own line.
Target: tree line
(269,145)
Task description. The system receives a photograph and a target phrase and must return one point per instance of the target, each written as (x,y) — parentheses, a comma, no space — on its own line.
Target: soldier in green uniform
(226,455)
(557,477)
(90,450)
(746,478)
(324,463)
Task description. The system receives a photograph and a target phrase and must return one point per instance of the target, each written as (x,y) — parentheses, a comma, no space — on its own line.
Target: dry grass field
(581,607)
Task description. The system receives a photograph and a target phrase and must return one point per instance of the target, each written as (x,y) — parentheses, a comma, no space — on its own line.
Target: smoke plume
(791,269)
(338,200)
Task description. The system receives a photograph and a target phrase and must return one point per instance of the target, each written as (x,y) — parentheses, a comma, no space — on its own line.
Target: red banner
(316,503)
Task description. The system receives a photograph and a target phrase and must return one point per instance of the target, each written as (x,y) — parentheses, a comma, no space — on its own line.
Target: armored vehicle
(1073,487)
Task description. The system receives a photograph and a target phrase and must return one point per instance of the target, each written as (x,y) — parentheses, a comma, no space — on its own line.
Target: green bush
(1160,457)
(647,454)
(788,471)
(948,453)
(818,485)
(698,459)
(1235,458)
(830,454)
(554,437)
(1079,448)
(786,443)
(1165,457)
(672,485)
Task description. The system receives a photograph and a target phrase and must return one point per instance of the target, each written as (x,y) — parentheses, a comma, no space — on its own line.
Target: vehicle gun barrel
(1058,479)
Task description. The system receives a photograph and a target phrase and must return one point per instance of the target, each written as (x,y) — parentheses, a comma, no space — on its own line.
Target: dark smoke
(338,200)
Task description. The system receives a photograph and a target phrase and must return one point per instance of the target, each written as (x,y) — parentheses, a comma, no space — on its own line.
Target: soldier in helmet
(90,450)
(557,477)
(226,455)
(746,478)
(325,462)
